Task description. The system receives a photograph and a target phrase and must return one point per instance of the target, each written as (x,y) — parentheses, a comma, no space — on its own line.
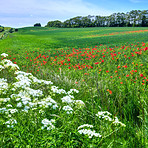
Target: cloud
(48,9)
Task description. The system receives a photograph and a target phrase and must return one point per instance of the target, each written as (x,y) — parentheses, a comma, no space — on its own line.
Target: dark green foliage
(37,25)
(133,18)
(1,29)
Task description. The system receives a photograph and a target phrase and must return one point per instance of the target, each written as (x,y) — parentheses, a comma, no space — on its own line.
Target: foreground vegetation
(92,92)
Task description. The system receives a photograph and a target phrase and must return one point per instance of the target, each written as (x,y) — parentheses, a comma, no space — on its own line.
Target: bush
(37,25)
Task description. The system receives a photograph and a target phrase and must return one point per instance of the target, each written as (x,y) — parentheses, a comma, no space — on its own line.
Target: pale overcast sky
(21,13)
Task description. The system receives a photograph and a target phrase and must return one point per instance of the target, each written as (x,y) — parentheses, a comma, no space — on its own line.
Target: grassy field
(96,79)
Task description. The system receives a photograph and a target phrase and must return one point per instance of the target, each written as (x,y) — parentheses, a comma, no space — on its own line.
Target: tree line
(134,18)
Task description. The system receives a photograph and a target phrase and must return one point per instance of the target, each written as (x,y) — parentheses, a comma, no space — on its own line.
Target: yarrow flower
(4,54)
(10,123)
(67,99)
(48,124)
(1,67)
(68,109)
(85,125)
(79,103)
(105,115)
(117,122)
(89,132)
(7,63)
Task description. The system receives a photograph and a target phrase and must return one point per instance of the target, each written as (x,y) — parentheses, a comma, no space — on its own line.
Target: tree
(133,18)
(37,25)
(56,23)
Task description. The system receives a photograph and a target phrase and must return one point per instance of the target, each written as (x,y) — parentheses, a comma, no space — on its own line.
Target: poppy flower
(110,91)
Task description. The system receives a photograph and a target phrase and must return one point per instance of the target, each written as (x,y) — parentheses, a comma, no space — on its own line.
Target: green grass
(29,38)
(110,72)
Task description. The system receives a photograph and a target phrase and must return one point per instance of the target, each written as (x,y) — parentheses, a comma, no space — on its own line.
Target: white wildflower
(25,100)
(68,109)
(7,63)
(33,92)
(26,108)
(10,123)
(71,91)
(51,100)
(104,115)
(46,82)
(17,99)
(2,110)
(22,73)
(58,91)
(3,87)
(89,132)
(9,105)
(4,99)
(55,106)
(79,103)
(12,111)
(117,122)
(85,125)
(3,80)
(19,104)
(4,55)
(1,67)
(48,124)
(67,99)
(32,104)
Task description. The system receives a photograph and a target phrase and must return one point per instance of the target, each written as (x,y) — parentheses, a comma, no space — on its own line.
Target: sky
(24,13)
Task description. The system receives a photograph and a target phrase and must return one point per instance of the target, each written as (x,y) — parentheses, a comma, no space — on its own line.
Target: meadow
(74,87)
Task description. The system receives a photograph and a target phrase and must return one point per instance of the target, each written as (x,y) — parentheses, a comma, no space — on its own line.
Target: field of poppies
(84,87)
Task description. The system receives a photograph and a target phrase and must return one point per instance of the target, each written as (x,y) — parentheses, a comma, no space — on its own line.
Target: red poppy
(97,63)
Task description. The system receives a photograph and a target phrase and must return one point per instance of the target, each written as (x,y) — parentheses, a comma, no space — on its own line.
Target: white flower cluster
(117,122)
(58,91)
(2,110)
(85,125)
(23,82)
(27,98)
(68,109)
(67,99)
(7,63)
(71,91)
(107,116)
(104,115)
(79,103)
(4,99)
(88,132)
(35,80)
(10,123)
(33,92)
(3,86)
(4,55)
(48,124)
(1,67)
(48,102)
